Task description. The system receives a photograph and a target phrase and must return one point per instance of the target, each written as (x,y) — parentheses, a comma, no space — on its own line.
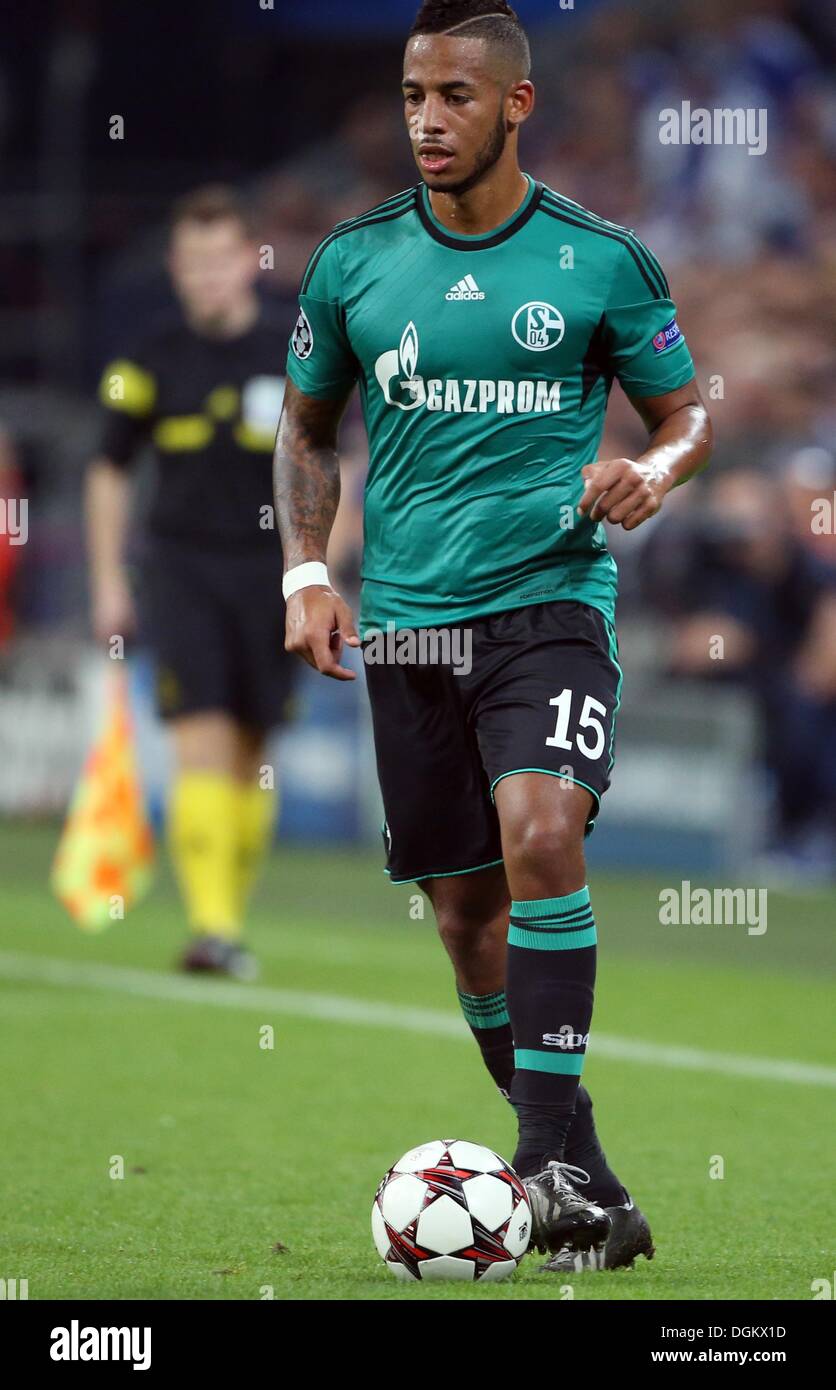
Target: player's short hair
(491,20)
(215,202)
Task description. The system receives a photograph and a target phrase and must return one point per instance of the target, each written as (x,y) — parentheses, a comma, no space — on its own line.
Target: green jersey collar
(458,242)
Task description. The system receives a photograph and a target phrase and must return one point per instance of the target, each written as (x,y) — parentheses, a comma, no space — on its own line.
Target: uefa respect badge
(668,337)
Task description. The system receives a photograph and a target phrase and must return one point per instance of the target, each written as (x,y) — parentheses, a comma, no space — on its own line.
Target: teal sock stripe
(551,907)
(533,1059)
(484,1010)
(553,924)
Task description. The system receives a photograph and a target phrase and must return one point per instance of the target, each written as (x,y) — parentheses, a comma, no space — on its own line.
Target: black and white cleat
(629,1237)
(561,1217)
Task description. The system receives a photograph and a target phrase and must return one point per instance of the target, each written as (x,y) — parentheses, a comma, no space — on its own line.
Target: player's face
(459,114)
(213,267)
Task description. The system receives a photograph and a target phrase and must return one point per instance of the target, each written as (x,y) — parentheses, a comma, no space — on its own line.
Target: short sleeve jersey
(484,365)
(208,409)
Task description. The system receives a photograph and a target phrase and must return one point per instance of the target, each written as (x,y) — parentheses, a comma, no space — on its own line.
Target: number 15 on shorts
(589,735)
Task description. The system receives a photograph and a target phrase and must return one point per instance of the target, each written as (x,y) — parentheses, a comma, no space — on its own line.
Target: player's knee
(462,911)
(459,924)
(546,849)
(458,934)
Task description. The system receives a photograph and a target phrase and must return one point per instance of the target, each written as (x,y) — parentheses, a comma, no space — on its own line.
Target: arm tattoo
(306,475)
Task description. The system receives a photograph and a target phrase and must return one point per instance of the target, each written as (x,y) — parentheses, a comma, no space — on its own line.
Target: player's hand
(622,491)
(318,623)
(113,611)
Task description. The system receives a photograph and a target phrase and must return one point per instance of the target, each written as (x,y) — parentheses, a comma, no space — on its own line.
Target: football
(450,1209)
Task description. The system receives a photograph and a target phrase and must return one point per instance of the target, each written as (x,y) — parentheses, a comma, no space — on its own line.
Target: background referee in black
(203,389)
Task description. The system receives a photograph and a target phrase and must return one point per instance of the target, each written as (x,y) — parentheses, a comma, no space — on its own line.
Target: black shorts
(541,696)
(214,620)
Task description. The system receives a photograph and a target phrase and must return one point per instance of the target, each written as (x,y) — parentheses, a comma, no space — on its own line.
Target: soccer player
(485,317)
(203,390)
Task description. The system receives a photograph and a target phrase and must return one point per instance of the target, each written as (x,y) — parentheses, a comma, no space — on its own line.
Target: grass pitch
(249,1171)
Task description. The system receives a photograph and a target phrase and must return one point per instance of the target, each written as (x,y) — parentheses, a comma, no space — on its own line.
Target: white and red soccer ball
(451,1210)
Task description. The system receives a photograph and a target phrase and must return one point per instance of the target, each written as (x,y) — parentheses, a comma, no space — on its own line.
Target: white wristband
(303,576)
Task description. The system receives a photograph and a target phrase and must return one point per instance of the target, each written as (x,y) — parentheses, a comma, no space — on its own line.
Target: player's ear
(520,103)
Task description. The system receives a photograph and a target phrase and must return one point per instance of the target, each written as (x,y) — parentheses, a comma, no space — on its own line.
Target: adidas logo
(465,289)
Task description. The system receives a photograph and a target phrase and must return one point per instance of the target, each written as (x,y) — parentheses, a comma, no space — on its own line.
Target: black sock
(487,1015)
(583,1148)
(542,1131)
(550,986)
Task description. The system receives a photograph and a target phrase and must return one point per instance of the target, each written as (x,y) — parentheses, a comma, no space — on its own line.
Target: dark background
(299,107)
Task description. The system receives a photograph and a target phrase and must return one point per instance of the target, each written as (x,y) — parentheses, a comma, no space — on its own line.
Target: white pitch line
(334,1008)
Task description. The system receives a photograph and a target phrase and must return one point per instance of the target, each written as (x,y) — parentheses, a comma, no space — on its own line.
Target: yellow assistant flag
(104,861)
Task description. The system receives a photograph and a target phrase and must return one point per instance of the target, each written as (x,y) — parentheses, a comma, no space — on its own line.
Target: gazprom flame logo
(408,351)
(396,372)
(402,385)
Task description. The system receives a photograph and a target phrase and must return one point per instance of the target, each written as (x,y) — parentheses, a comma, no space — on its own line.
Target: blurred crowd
(748,553)
(748,241)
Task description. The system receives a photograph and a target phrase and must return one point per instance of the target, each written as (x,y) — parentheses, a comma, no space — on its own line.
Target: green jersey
(484,365)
